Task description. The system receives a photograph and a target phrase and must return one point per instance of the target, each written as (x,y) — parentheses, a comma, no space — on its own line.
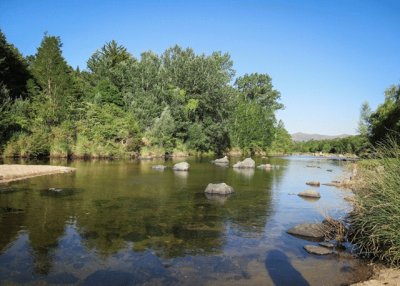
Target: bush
(375,220)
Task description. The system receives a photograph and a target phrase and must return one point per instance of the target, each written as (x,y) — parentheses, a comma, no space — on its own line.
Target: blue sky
(325,57)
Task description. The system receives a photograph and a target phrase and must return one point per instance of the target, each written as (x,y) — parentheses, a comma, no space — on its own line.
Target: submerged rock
(220,199)
(310,194)
(246,163)
(265,166)
(219,189)
(221,161)
(313,183)
(158,167)
(310,231)
(182,166)
(58,192)
(318,250)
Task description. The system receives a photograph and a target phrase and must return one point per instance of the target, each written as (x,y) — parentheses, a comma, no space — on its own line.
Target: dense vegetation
(176,102)
(375,219)
(358,145)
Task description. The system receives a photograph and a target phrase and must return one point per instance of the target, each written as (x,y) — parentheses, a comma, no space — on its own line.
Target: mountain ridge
(301,137)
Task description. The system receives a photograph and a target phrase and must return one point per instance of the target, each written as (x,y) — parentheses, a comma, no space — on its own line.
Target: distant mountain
(300,137)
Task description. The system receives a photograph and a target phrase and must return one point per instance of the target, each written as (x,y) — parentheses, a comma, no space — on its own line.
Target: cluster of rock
(182,166)
(319,232)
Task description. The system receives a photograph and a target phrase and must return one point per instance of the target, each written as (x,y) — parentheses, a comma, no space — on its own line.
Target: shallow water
(122,223)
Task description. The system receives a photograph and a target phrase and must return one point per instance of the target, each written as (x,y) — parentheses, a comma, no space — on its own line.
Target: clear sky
(325,57)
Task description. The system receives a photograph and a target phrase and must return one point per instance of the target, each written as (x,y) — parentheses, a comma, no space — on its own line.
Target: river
(122,223)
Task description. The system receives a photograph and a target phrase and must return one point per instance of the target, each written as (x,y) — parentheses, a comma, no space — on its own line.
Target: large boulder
(220,189)
(246,163)
(182,166)
(310,194)
(309,231)
(221,161)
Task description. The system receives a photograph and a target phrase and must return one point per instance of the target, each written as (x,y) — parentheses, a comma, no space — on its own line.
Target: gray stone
(158,167)
(310,231)
(327,244)
(313,183)
(224,160)
(310,194)
(220,189)
(182,166)
(246,163)
(265,166)
(318,250)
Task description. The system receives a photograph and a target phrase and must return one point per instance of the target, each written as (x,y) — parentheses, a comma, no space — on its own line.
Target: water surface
(122,223)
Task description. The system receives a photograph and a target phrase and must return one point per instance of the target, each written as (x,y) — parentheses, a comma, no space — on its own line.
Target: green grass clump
(375,220)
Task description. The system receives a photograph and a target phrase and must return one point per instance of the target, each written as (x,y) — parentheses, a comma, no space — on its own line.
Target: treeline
(375,127)
(358,145)
(177,102)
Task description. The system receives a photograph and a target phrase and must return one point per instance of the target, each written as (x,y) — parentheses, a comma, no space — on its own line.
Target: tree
(258,87)
(364,124)
(52,75)
(385,120)
(13,71)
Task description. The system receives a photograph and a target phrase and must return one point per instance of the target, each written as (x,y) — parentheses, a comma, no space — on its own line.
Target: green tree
(364,124)
(385,121)
(52,75)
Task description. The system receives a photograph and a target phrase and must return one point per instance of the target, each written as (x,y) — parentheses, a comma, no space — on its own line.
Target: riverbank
(382,276)
(10,173)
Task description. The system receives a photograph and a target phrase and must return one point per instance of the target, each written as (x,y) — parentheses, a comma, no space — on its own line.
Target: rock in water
(310,194)
(221,161)
(220,189)
(265,166)
(313,183)
(182,166)
(158,167)
(246,163)
(318,250)
(327,244)
(310,231)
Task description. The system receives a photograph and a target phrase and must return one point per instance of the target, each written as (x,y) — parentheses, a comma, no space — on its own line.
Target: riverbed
(123,223)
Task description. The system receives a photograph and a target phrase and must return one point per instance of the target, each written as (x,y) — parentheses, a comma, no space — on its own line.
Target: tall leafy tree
(54,81)
(14,72)
(386,119)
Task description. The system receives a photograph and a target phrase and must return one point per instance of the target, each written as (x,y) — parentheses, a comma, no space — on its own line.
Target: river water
(122,223)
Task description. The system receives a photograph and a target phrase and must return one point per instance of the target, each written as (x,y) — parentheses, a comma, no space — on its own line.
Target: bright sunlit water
(122,223)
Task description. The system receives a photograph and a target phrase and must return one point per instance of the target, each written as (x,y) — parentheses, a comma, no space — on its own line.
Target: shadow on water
(282,271)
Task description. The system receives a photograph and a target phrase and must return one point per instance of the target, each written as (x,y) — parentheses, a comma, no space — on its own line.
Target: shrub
(375,221)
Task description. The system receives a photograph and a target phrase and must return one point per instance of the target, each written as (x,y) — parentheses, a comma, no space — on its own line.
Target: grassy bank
(376,217)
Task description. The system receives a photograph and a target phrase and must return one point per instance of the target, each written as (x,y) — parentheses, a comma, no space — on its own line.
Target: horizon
(326,59)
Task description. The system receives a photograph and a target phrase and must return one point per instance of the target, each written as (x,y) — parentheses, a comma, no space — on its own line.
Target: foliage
(358,145)
(282,142)
(375,219)
(385,121)
(178,100)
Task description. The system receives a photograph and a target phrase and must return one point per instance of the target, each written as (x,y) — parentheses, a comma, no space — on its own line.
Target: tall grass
(375,221)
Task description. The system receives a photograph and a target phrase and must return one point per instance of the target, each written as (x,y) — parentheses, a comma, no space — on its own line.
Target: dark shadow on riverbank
(281,270)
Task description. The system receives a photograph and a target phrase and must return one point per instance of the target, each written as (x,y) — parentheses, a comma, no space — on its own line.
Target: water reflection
(123,221)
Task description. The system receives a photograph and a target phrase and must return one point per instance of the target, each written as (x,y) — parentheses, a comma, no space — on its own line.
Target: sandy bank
(9,173)
(383,276)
